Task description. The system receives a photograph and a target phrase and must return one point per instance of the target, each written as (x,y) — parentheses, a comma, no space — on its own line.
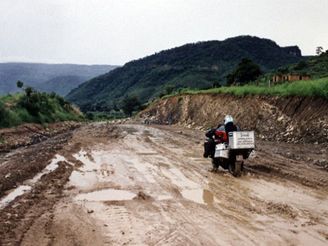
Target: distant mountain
(196,65)
(62,85)
(60,78)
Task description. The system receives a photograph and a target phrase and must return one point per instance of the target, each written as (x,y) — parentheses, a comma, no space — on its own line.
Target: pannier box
(242,140)
(221,151)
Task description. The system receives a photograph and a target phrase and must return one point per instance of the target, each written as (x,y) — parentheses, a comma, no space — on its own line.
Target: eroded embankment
(290,119)
(30,133)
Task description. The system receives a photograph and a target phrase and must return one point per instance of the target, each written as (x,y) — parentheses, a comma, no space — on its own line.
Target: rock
(280,118)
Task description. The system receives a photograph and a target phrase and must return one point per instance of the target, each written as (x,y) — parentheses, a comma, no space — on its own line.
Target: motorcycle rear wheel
(235,168)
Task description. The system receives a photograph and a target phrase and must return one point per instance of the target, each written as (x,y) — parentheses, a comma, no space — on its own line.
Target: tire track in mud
(176,200)
(279,166)
(18,217)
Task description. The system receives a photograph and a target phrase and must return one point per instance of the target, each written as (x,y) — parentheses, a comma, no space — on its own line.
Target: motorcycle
(231,152)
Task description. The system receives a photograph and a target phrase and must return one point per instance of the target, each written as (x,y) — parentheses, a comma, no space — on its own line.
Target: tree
(169,89)
(130,104)
(19,84)
(216,84)
(301,65)
(245,72)
(230,79)
(29,91)
(319,50)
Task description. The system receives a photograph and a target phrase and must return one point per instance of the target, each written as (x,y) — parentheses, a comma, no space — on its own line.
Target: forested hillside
(197,65)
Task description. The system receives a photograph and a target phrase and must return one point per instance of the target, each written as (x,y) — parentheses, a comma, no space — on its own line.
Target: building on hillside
(278,78)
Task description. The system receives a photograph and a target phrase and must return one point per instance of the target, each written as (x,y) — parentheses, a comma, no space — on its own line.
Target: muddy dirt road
(106,184)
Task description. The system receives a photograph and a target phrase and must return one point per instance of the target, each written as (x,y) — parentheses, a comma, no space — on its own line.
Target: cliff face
(288,119)
(293,50)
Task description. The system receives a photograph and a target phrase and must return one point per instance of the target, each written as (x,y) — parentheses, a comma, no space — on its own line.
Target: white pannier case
(221,151)
(242,140)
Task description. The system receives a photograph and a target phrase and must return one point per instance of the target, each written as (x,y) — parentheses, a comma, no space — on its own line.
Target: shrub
(35,107)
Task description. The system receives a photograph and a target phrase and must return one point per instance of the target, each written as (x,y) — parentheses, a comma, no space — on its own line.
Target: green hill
(197,65)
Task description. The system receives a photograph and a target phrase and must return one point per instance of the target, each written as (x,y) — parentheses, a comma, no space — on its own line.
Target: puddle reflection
(201,196)
(106,195)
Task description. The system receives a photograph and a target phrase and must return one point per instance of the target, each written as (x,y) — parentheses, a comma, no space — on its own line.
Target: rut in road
(137,185)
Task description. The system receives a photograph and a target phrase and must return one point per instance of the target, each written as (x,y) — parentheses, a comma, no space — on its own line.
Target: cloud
(116,31)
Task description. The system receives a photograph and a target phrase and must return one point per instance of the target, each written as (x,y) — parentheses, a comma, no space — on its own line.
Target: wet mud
(134,184)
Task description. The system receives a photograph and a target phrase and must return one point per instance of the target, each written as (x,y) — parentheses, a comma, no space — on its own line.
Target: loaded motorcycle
(231,150)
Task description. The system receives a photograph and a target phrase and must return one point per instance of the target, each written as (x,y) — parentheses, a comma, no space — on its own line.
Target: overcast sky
(116,31)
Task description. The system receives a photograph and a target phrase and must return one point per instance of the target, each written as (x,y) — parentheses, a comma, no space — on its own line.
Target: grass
(2,140)
(309,88)
(36,108)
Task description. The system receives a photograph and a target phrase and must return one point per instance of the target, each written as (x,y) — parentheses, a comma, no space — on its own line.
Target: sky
(117,31)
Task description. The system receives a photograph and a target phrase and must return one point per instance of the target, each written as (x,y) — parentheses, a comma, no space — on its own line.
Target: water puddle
(179,179)
(164,197)
(22,189)
(189,189)
(201,196)
(88,165)
(106,195)
(83,180)
(48,169)
(101,166)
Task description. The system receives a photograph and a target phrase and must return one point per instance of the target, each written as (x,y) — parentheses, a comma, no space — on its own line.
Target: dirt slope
(30,133)
(289,119)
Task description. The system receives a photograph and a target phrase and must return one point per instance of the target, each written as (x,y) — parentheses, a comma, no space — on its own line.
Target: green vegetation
(245,72)
(200,65)
(314,88)
(35,107)
(316,66)
(104,116)
(130,104)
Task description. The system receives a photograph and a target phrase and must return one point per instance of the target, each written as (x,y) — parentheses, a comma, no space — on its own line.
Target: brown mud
(29,134)
(135,184)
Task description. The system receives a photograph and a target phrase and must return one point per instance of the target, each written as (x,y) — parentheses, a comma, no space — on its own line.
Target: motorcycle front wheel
(215,163)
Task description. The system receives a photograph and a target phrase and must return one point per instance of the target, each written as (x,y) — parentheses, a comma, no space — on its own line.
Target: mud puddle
(20,190)
(106,195)
(189,189)
(201,196)
(28,184)
(48,169)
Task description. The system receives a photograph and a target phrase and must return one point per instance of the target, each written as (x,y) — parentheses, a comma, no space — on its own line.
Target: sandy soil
(149,185)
